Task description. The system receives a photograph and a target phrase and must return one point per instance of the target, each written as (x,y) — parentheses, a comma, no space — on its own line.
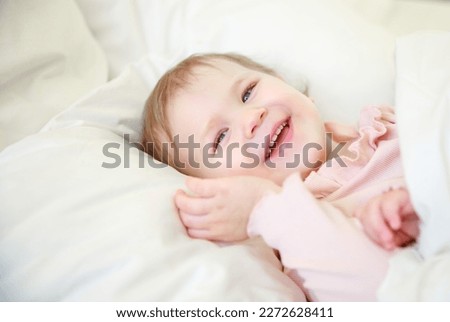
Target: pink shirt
(311,223)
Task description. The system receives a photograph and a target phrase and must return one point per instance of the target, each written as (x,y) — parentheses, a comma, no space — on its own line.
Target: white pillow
(73,229)
(48,59)
(347,61)
(118,29)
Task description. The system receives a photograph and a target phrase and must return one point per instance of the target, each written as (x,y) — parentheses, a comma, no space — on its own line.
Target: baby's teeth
(280,128)
(275,137)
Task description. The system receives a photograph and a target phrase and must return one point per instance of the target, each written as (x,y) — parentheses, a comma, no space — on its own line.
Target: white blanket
(422,273)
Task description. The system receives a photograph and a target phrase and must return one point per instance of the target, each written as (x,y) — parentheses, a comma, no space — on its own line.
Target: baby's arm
(219,208)
(390,219)
(324,250)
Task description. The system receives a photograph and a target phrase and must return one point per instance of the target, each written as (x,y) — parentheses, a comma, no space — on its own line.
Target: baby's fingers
(386,236)
(202,187)
(212,234)
(200,233)
(195,221)
(393,219)
(392,206)
(377,227)
(190,204)
(402,239)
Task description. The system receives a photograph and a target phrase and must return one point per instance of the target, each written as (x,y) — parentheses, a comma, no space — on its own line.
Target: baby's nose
(254,119)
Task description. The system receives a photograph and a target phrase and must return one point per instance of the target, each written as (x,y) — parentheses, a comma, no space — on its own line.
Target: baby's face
(235,121)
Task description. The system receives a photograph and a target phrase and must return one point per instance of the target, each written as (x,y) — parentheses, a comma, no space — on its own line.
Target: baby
(262,162)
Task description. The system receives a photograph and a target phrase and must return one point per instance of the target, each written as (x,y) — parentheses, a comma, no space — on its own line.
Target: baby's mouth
(277,138)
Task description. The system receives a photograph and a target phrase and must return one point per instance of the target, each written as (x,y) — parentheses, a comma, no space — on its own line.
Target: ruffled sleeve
(377,124)
(377,128)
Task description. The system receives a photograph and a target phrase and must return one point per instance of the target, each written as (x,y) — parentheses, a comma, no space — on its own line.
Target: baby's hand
(220,208)
(390,219)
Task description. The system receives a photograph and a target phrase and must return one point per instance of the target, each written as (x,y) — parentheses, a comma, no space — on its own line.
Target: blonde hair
(156,126)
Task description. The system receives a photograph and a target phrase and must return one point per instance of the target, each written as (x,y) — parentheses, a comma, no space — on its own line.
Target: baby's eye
(219,138)
(248,91)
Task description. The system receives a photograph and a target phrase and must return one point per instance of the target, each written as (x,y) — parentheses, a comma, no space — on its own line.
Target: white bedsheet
(48,60)
(422,273)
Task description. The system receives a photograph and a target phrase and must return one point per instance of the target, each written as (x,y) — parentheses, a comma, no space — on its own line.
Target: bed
(83,214)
